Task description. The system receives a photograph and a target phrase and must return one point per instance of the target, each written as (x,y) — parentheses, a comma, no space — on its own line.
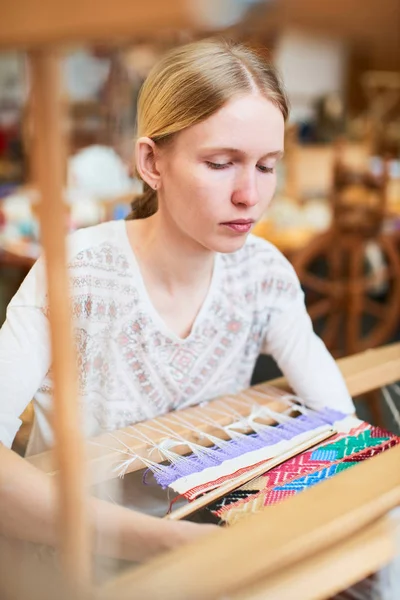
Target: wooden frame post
(49,167)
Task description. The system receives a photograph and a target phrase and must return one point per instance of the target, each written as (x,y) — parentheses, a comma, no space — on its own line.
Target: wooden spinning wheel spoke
(320,308)
(335,262)
(355,298)
(331,330)
(315,283)
(373,308)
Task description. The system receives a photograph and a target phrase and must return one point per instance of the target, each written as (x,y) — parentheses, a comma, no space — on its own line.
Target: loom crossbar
(331,570)
(33,23)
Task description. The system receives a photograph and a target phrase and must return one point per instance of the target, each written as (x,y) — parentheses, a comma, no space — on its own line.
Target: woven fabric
(304,471)
(192,475)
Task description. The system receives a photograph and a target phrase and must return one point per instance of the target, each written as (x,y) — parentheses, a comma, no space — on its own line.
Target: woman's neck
(167,256)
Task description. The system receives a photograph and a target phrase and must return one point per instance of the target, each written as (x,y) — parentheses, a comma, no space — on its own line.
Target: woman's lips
(240,226)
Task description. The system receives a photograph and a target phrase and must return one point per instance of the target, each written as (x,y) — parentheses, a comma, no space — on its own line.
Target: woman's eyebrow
(228,150)
(274,154)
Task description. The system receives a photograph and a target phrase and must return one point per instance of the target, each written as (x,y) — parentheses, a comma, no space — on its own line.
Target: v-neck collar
(150,308)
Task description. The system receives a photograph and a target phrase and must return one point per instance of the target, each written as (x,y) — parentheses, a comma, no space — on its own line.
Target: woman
(173,306)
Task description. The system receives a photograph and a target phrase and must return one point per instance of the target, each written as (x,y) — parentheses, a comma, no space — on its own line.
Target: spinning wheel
(351,274)
(352,308)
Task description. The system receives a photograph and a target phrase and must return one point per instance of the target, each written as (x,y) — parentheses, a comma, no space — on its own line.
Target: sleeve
(24,352)
(302,356)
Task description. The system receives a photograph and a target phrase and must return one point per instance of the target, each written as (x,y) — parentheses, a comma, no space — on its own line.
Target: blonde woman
(173,306)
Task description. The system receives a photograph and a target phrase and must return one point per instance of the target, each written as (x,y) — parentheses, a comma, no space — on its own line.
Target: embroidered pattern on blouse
(130,370)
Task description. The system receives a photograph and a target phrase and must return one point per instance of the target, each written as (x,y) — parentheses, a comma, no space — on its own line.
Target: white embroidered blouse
(131,366)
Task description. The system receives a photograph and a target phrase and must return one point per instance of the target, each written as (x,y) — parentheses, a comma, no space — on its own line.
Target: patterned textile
(303,471)
(200,472)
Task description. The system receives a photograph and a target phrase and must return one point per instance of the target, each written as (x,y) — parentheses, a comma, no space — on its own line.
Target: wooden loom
(307,547)
(354,530)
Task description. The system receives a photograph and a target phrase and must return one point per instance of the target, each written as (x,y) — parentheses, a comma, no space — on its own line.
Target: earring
(155,187)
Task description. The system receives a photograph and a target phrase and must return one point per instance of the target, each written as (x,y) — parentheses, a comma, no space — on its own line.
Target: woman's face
(217,177)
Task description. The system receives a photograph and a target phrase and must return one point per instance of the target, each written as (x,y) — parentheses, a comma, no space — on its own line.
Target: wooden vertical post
(49,168)
(356,247)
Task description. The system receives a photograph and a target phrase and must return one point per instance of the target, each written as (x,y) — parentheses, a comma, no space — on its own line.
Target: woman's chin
(225,245)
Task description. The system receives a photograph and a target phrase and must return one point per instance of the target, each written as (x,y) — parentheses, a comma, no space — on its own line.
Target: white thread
(179,440)
(233,435)
(216,441)
(389,576)
(396,388)
(392,406)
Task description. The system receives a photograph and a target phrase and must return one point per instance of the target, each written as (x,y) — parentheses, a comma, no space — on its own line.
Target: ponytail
(144,205)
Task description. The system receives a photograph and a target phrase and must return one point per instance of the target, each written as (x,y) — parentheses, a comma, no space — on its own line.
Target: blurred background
(336,213)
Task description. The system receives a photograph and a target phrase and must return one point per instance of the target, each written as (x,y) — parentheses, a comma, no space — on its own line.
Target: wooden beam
(371,369)
(357,21)
(365,371)
(334,569)
(49,152)
(29,23)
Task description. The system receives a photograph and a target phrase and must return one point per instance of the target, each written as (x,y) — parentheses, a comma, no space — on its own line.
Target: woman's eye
(214,165)
(265,169)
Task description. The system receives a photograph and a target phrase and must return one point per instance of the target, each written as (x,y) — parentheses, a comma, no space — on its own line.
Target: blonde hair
(192,82)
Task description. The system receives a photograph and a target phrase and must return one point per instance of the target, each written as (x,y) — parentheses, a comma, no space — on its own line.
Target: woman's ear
(145,159)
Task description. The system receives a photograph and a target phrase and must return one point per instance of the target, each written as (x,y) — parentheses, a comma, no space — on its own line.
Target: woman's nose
(245,191)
